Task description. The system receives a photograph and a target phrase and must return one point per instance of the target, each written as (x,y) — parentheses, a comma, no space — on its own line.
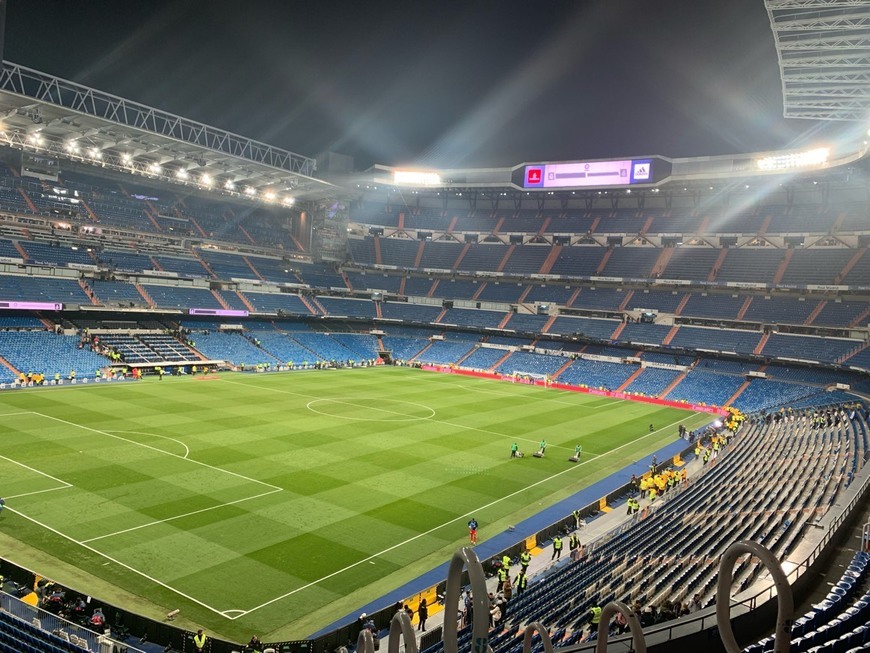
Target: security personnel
(199,641)
(573,542)
(521,582)
(56,378)
(557,548)
(506,561)
(502,573)
(578,516)
(525,559)
(594,616)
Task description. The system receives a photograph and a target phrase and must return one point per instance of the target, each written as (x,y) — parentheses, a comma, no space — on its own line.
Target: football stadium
(252,400)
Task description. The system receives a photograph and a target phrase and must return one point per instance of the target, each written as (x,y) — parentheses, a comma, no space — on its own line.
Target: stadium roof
(823,48)
(57,117)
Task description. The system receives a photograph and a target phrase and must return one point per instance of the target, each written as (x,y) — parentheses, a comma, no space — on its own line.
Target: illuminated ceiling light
(94,153)
(72,147)
(250,190)
(270,195)
(155,168)
(206,180)
(289,201)
(229,185)
(181,173)
(35,138)
(126,158)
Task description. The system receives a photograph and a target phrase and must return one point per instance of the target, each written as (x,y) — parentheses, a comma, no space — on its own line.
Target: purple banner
(217,312)
(31,306)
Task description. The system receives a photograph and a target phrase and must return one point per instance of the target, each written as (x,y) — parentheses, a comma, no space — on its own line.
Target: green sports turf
(277,503)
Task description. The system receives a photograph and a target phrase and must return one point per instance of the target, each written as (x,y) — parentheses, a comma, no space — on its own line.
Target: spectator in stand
(97,621)
(422,614)
(469,608)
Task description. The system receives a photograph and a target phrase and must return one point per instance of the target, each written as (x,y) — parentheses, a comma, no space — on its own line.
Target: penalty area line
(109,434)
(186,514)
(118,562)
(447,523)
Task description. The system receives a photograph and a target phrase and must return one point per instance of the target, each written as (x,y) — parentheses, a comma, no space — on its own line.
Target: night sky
(446,84)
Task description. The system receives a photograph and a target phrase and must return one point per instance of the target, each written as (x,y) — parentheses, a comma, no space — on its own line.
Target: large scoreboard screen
(593,174)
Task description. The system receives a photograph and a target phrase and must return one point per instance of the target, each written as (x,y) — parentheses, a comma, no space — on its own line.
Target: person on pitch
(472,530)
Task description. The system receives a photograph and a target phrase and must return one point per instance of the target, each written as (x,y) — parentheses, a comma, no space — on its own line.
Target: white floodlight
(808,158)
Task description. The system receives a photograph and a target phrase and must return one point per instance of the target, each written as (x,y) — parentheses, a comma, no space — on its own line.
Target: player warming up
(472,530)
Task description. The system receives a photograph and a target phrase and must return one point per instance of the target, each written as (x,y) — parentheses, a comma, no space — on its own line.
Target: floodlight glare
(126,158)
(416,178)
(250,190)
(155,168)
(270,195)
(229,185)
(72,147)
(205,180)
(805,159)
(181,173)
(289,201)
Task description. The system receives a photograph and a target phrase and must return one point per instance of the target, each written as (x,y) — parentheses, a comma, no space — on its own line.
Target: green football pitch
(277,503)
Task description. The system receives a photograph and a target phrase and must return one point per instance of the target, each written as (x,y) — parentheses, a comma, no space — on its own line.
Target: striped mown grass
(277,503)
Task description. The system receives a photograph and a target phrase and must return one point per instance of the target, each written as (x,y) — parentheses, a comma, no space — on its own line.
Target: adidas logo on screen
(640,171)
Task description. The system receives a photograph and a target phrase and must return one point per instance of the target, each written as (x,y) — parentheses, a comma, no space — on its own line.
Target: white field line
(447,523)
(117,562)
(154,435)
(36,471)
(375,408)
(27,494)
(186,514)
(167,453)
(23,412)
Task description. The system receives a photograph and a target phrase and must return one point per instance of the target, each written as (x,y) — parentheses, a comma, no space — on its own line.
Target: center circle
(379,410)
